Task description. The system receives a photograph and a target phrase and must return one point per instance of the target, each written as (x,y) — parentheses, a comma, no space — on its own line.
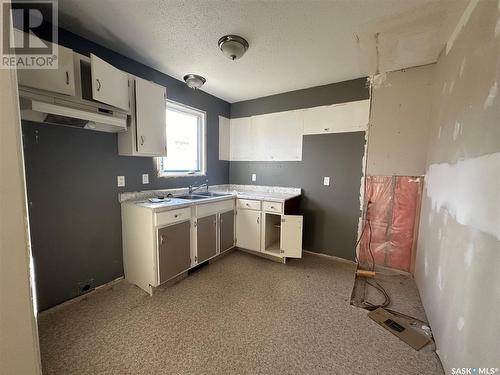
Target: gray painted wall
(71,181)
(330,213)
(340,92)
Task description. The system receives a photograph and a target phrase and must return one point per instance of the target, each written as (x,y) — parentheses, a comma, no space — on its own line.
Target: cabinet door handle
(162,239)
(258,219)
(326,129)
(246,204)
(98,84)
(272,207)
(67,78)
(177,215)
(142,140)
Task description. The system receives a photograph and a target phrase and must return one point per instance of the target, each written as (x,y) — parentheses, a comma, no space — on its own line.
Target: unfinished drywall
(19,352)
(458,255)
(399,122)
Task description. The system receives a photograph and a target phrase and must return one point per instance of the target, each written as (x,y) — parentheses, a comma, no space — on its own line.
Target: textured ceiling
(293,44)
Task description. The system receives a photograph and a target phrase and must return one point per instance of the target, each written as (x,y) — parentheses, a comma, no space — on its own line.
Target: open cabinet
(282,235)
(268,228)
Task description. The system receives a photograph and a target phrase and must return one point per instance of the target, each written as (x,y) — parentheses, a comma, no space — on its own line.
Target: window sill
(180,174)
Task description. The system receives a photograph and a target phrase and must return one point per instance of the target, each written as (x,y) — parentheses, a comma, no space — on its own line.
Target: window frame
(202,141)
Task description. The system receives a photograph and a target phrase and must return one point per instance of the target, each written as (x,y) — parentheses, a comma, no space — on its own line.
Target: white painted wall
(19,352)
(458,255)
(400,122)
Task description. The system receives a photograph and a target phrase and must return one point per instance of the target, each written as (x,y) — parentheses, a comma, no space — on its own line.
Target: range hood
(87,117)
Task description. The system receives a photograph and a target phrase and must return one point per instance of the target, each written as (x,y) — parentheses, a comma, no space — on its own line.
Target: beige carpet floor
(239,315)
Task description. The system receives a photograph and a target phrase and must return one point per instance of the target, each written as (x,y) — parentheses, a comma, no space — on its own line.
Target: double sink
(201,195)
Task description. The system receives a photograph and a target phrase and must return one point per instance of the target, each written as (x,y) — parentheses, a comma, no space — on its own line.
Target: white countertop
(267,193)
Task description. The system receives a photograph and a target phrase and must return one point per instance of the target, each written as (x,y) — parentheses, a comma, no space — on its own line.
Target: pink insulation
(392,217)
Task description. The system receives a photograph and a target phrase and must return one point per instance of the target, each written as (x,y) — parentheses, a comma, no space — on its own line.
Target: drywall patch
(378,80)
(460,323)
(456,131)
(440,279)
(468,189)
(452,85)
(462,67)
(461,24)
(491,95)
(469,255)
(444,89)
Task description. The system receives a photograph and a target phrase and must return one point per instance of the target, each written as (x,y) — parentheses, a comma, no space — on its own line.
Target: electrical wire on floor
(374,283)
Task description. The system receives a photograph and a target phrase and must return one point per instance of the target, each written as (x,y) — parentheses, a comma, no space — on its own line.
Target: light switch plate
(326,181)
(254,177)
(120,180)
(145,179)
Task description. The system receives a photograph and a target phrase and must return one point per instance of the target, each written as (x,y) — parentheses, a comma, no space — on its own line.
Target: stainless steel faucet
(192,188)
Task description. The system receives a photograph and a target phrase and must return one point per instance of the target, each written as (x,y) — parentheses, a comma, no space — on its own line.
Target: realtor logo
(29,34)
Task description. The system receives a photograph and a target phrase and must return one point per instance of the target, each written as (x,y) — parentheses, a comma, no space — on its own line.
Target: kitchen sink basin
(211,194)
(192,197)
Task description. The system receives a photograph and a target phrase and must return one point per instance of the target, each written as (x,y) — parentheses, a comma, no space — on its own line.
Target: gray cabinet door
(206,230)
(174,250)
(226,231)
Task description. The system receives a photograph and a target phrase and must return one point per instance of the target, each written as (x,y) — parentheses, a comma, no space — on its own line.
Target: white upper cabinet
(337,118)
(277,136)
(60,80)
(109,84)
(268,137)
(241,139)
(150,117)
(224,138)
(291,236)
(147,130)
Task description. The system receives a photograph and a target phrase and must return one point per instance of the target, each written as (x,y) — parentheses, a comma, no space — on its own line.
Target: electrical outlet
(120,181)
(326,181)
(145,179)
(254,177)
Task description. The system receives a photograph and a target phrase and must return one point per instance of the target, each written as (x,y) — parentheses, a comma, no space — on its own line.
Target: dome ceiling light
(233,46)
(194,81)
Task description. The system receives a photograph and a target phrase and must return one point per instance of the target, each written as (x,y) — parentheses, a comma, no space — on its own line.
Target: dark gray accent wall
(330,213)
(72,193)
(340,92)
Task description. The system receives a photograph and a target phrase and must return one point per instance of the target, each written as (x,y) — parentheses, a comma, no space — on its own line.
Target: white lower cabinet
(269,230)
(160,245)
(248,229)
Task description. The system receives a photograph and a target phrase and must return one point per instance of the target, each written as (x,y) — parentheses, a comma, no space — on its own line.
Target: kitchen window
(186,142)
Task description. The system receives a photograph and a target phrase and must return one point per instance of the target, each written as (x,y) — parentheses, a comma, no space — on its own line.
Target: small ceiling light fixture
(194,81)
(233,46)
